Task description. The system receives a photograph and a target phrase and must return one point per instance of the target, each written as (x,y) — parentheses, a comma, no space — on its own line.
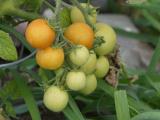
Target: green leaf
(7,48)
(18,35)
(121,104)
(27,96)
(155,59)
(68,112)
(11,89)
(33,4)
(153,115)
(9,109)
(64,17)
(75,108)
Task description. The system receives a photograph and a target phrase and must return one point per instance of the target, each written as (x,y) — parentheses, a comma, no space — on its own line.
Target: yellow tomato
(50,58)
(39,34)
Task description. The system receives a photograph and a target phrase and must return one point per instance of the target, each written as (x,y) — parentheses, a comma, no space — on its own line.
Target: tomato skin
(102,67)
(76,80)
(90,65)
(39,34)
(91,85)
(77,16)
(55,99)
(50,58)
(79,55)
(109,35)
(80,34)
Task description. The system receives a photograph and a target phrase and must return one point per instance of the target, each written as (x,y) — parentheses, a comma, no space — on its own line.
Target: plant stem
(58,6)
(49,5)
(23,14)
(83,11)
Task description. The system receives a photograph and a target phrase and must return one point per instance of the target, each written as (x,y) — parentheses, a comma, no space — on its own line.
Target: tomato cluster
(86,63)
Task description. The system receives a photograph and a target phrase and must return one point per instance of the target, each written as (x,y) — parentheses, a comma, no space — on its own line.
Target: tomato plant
(50,58)
(109,37)
(91,84)
(79,55)
(76,80)
(66,67)
(77,16)
(102,67)
(81,34)
(39,34)
(55,99)
(90,65)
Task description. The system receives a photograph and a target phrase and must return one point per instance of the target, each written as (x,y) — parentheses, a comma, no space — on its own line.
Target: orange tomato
(80,33)
(50,58)
(39,34)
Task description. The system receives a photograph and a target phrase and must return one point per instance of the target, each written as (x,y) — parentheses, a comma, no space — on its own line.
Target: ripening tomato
(50,58)
(102,67)
(91,84)
(109,36)
(39,34)
(79,55)
(80,34)
(76,80)
(55,99)
(89,66)
(77,16)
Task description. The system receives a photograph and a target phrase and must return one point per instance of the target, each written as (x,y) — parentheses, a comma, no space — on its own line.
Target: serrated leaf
(7,48)
(65,19)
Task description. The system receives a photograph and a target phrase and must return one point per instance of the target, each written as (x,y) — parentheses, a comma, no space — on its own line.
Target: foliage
(135,98)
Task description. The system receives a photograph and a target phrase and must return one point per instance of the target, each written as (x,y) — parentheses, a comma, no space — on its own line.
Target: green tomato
(91,84)
(55,99)
(90,65)
(79,55)
(102,67)
(77,16)
(76,80)
(109,36)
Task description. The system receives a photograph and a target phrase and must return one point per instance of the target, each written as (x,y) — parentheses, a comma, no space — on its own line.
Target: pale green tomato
(91,84)
(109,36)
(79,55)
(90,65)
(102,67)
(76,80)
(55,99)
(77,16)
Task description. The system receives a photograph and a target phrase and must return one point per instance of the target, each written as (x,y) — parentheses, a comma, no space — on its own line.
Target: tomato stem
(23,14)
(49,5)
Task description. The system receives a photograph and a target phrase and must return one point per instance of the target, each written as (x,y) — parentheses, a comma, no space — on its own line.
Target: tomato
(39,34)
(76,80)
(109,35)
(80,34)
(79,55)
(50,58)
(102,67)
(91,84)
(90,65)
(55,99)
(77,16)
